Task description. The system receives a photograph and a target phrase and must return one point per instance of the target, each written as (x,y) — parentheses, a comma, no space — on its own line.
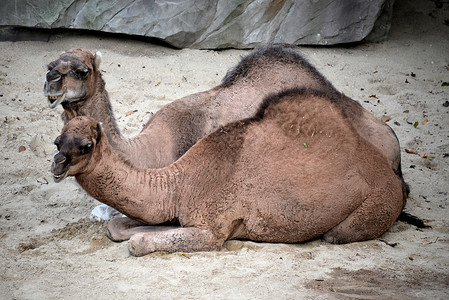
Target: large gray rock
(211,23)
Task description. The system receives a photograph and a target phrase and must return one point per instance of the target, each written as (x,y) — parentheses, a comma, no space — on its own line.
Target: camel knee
(121,229)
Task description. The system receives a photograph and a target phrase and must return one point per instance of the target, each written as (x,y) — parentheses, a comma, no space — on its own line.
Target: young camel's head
(76,146)
(72,77)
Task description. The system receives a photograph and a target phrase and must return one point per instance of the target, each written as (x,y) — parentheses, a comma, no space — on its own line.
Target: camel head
(72,77)
(76,146)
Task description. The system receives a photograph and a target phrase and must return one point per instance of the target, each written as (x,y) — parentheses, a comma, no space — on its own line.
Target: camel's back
(264,72)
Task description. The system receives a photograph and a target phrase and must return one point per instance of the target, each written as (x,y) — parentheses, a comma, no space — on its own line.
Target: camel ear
(97,60)
(99,131)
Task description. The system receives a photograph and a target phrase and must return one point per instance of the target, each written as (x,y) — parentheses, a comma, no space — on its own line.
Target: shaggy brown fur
(180,124)
(298,170)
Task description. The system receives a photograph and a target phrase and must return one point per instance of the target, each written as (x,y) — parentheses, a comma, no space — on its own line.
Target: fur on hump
(270,55)
(273,99)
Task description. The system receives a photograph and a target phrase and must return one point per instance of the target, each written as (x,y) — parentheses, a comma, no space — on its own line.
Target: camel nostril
(53,76)
(59,159)
(57,78)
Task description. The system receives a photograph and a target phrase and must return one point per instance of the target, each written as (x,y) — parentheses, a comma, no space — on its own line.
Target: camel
(297,170)
(74,80)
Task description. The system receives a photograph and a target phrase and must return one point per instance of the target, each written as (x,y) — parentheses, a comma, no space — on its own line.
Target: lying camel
(296,171)
(74,81)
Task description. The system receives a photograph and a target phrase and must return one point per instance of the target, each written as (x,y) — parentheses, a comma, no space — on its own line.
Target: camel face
(71,77)
(75,149)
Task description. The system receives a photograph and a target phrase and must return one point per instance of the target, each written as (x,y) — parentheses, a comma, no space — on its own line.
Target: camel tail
(404,216)
(412,220)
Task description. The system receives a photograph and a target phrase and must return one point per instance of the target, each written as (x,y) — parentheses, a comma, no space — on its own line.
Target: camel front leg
(123,228)
(175,240)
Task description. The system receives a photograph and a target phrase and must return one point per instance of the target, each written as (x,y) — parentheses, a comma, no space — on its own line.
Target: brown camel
(74,80)
(297,170)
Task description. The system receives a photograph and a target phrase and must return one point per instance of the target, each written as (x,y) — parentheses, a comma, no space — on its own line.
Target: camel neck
(147,195)
(102,110)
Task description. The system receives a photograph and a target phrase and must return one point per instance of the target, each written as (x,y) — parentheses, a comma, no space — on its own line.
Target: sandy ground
(49,249)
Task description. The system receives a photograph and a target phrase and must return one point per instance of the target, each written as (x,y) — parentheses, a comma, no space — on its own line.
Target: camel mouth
(60,177)
(55,100)
(58,174)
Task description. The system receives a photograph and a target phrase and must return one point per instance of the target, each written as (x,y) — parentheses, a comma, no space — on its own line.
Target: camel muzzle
(59,167)
(58,177)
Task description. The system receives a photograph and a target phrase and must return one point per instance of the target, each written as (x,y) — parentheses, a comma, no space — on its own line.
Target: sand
(49,249)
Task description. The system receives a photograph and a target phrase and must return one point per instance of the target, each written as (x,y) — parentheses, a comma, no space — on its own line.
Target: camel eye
(81,73)
(84,149)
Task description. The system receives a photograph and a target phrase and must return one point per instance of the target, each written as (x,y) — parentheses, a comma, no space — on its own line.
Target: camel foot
(123,228)
(173,240)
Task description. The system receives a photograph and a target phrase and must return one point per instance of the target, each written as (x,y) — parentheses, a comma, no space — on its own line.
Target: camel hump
(264,60)
(300,94)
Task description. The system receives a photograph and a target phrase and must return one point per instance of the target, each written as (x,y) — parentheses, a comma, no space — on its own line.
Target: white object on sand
(104,212)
